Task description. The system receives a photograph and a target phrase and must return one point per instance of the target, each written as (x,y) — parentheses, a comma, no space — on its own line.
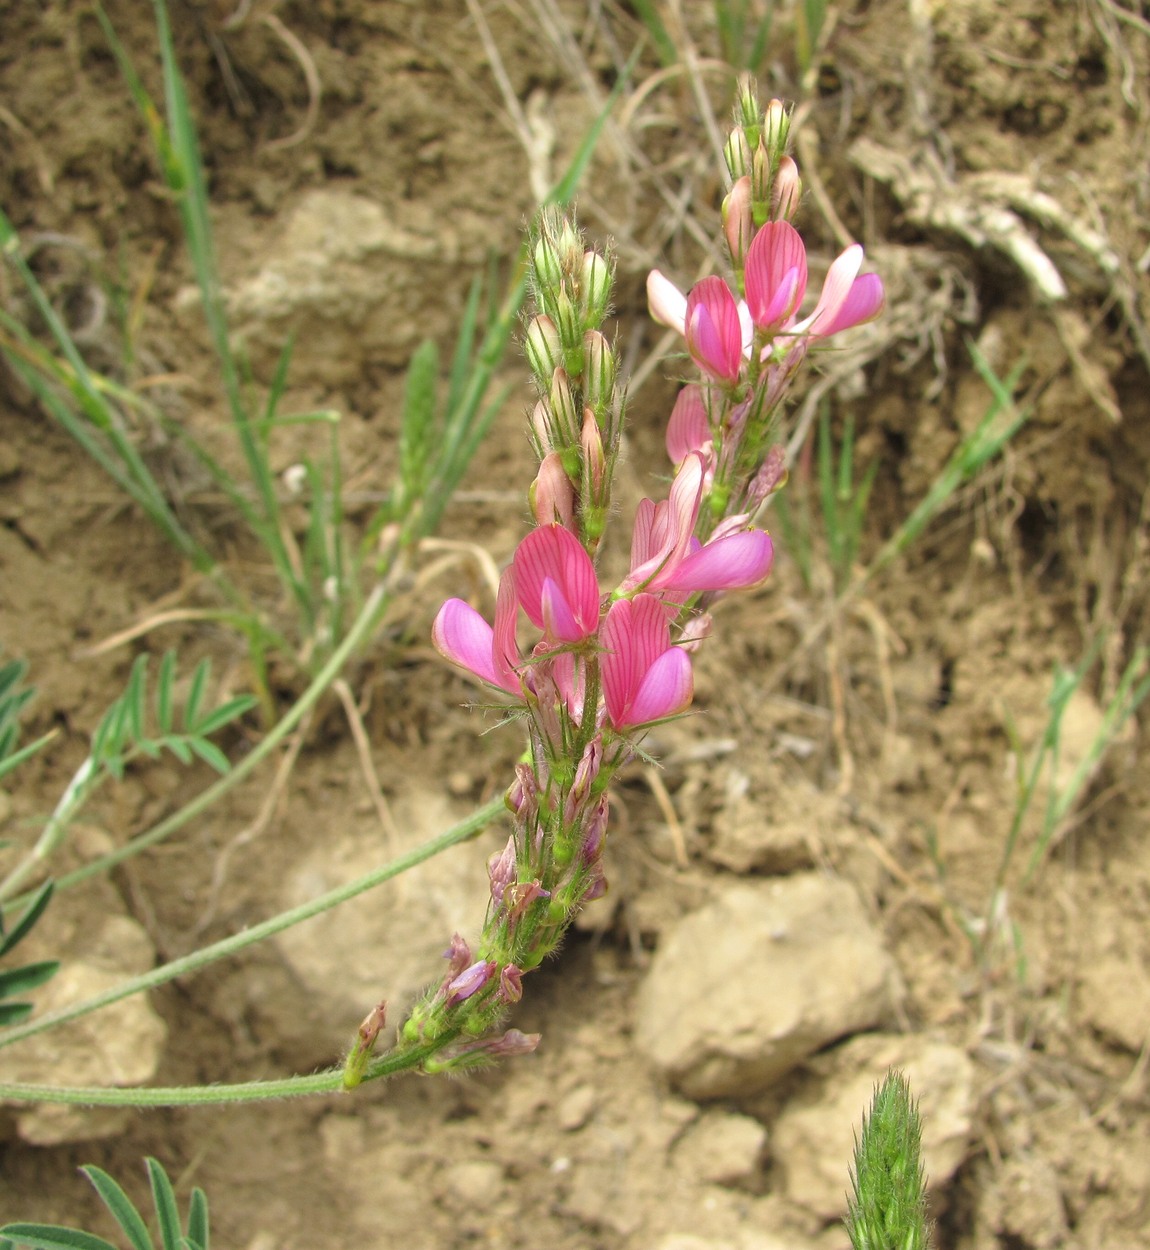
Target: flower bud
(459,955)
(776,130)
(501,871)
(738,223)
(470,981)
(599,371)
(772,476)
(552,497)
(511,984)
(541,430)
(760,181)
(737,153)
(569,323)
(595,288)
(747,111)
(566,418)
(548,271)
(594,459)
(543,349)
(786,191)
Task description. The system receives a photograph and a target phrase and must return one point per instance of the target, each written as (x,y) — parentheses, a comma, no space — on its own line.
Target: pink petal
(713,329)
(836,288)
(462,636)
(667,304)
(776,274)
(504,647)
(666,690)
(663,530)
(553,554)
(864,302)
(636,639)
(730,563)
(617,663)
(688,429)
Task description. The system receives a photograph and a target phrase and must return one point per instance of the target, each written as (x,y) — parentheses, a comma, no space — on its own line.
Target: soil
(958,142)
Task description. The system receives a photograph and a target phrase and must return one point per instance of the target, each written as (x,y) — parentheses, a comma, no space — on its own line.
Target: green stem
(177,1095)
(478,820)
(329,1082)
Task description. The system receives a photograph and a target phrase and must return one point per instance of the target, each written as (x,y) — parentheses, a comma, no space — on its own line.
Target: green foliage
(30,976)
(887,1208)
(193,1236)
(842,505)
(125,730)
(1002,420)
(1042,760)
(125,733)
(13,700)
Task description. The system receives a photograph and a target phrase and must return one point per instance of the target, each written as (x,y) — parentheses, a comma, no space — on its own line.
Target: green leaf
(13,1013)
(32,913)
(195,695)
(179,748)
(198,1219)
(210,754)
(166,1209)
(20,980)
(121,1206)
(52,1237)
(225,714)
(9,761)
(134,697)
(164,683)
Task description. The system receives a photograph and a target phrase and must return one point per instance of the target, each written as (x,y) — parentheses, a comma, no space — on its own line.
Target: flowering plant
(607,664)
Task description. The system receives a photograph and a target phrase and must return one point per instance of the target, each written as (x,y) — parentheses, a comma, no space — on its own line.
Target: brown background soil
(890,733)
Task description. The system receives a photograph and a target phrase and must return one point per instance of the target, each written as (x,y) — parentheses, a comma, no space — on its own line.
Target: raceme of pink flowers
(719,329)
(551,577)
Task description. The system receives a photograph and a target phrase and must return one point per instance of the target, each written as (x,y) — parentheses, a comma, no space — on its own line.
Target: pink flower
(556,584)
(847,299)
(717,327)
(665,555)
(470,981)
(645,678)
(689,428)
(776,275)
(462,636)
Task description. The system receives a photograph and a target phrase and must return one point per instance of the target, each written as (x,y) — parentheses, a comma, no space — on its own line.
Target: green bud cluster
(887,1210)
(756,147)
(579,414)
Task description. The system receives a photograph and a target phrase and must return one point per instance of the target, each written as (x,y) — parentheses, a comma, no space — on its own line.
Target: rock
(724,1149)
(348,282)
(1114,998)
(747,987)
(775,829)
(385,944)
(116,1046)
(476,1183)
(813,1139)
(575,1108)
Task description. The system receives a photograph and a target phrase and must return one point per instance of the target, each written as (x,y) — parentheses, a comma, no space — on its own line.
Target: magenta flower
(689,428)
(717,327)
(556,584)
(462,636)
(776,275)
(847,299)
(470,981)
(645,678)
(665,555)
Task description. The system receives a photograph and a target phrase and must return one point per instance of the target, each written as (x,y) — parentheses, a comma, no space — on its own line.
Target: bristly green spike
(887,1209)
